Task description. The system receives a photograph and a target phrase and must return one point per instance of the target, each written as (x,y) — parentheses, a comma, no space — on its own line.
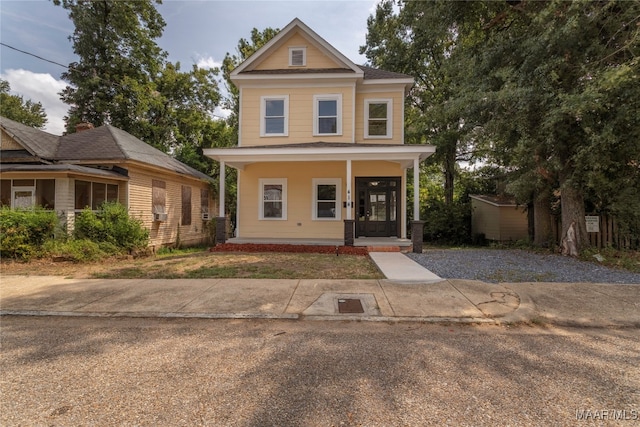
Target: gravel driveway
(498,265)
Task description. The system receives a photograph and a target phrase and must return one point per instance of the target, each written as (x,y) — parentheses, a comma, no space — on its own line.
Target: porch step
(383,249)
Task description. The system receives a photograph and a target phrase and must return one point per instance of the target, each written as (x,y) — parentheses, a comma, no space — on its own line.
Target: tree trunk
(542,219)
(572,205)
(449,174)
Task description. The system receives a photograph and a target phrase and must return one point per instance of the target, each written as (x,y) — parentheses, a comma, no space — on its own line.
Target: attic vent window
(297,56)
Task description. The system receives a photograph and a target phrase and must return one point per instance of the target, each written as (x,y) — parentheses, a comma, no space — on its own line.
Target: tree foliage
(549,91)
(14,107)
(122,78)
(561,83)
(429,41)
(244,50)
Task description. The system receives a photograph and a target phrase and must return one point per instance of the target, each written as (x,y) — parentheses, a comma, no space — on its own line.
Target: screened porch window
(27,193)
(93,194)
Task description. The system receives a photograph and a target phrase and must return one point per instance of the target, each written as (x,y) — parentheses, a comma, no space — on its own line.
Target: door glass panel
(378,207)
(23,199)
(392,205)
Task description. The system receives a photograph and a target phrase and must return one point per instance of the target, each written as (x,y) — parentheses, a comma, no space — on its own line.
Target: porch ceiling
(238,157)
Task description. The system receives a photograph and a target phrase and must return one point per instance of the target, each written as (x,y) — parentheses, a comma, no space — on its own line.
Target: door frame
(392,227)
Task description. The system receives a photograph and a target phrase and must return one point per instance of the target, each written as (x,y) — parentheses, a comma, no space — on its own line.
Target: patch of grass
(621,259)
(247,266)
(168,252)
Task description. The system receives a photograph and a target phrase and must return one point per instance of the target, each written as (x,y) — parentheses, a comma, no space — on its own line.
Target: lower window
(327,198)
(273,198)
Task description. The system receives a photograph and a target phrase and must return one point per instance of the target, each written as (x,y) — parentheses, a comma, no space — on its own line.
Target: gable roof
(297,26)
(103,144)
(37,142)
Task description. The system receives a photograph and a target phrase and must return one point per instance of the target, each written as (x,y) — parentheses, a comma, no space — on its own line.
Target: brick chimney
(83,126)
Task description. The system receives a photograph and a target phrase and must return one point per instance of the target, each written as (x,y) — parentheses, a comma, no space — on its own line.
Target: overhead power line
(35,56)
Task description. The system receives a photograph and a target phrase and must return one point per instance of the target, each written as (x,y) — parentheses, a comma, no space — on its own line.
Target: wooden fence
(608,236)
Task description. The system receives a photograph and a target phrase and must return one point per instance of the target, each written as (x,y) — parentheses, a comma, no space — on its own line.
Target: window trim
(272,181)
(263,114)
(314,207)
(389,118)
(316,117)
(304,56)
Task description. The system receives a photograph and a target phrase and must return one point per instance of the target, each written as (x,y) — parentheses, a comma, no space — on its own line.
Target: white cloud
(43,88)
(208,62)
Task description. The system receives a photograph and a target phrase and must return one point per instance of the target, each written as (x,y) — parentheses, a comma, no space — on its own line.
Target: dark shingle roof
(371,73)
(110,143)
(102,144)
(39,143)
(61,168)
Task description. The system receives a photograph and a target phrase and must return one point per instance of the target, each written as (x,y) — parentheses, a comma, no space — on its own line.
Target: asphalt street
(69,371)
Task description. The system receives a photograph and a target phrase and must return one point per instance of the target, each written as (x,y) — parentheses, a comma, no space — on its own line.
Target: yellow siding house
(321,151)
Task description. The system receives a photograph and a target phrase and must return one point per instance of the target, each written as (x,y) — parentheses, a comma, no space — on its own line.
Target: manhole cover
(350,306)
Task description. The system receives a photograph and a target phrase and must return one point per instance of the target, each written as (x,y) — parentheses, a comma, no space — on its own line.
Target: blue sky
(199,32)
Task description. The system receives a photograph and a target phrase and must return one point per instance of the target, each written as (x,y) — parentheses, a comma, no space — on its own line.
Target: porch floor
(360,241)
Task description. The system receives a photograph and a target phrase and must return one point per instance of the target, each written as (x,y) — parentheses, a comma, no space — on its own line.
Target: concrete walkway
(381,300)
(398,267)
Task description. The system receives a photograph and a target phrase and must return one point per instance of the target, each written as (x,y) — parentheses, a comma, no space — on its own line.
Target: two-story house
(321,151)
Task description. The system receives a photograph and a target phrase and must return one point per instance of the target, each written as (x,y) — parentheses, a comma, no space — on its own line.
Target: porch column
(349,222)
(417,226)
(221,220)
(416,189)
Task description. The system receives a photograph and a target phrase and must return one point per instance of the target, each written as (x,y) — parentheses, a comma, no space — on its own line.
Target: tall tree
(14,107)
(244,50)
(119,58)
(561,82)
(123,79)
(429,40)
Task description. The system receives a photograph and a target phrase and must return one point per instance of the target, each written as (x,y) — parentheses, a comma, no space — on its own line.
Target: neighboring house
(321,151)
(498,218)
(84,169)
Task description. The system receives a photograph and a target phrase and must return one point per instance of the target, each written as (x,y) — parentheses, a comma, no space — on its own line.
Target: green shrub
(24,231)
(76,250)
(447,223)
(112,225)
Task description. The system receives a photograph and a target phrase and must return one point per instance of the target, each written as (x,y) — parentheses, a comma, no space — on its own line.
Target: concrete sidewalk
(381,300)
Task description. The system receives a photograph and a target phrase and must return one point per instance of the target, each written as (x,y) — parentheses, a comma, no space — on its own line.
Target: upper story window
(327,115)
(377,118)
(274,112)
(297,56)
